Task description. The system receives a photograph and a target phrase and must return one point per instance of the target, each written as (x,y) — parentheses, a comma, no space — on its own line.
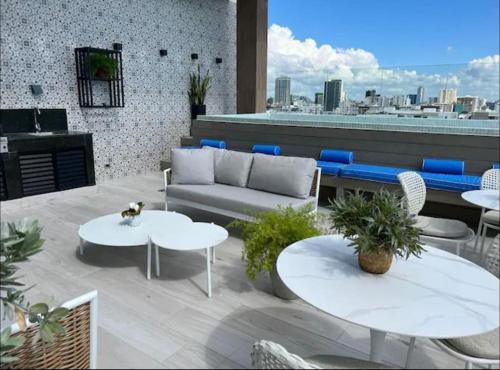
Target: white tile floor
(168,322)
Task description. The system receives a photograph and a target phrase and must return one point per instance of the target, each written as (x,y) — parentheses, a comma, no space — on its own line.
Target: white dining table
(439,295)
(488,199)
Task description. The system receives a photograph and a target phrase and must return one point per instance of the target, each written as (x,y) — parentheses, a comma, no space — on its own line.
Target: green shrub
(380,223)
(271,233)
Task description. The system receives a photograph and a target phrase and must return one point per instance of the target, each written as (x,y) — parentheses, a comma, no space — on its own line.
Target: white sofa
(243,183)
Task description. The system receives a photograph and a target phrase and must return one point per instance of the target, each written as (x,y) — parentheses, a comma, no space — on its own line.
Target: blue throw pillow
(339,156)
(445,166)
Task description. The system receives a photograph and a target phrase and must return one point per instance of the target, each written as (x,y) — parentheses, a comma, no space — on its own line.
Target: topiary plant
(18,242)
(271,233)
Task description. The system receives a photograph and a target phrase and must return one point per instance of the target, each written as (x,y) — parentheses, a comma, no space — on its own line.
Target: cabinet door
(3,186)
(37,173)
(70,169)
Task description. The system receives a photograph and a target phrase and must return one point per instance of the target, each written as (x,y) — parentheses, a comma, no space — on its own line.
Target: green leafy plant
(271,233)
(198,87)
(380,223)
(19,241)
(102,65)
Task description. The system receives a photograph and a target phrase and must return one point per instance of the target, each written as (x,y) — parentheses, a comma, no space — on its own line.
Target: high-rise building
(319,98)
(470,103)
(400,100)
(448,96)
(333,94)
(413,98)
(370,93)
(282,91)
(420,95)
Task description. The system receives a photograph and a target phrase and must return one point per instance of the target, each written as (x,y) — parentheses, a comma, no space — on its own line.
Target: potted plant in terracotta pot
(198,88)
(268,235)
(102,66)
(379,228)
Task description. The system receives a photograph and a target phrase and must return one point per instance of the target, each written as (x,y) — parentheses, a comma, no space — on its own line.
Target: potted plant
(133,213)
(102,66)
(18,242)
(198,88)
(268,235)
(379,228)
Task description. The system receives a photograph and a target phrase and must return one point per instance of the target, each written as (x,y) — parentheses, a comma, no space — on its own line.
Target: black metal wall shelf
(88,84)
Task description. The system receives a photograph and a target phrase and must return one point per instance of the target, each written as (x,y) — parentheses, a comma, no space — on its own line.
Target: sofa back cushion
(193,166)
(291,176)
(232,168)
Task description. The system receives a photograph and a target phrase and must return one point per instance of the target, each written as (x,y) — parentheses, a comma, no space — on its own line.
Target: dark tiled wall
(37,47)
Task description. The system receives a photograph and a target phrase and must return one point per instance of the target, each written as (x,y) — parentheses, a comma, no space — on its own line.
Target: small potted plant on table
(267,236)
(197,92)
(379,229)
(133,213)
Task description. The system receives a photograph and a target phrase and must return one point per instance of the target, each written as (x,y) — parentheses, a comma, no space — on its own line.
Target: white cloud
(310,64)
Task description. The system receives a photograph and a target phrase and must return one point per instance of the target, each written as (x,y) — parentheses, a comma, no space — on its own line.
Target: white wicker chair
(437,230)
(489,219)
(269,355)
(492,265)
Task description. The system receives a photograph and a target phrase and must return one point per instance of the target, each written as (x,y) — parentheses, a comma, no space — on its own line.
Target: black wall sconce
(36,90)
(163,53)
(194,56)
(117,46)
(218,60)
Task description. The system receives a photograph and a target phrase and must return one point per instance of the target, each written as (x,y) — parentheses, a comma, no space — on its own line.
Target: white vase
(134,221)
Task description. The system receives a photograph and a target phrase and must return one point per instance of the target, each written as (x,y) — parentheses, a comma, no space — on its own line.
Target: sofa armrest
(167,176)
(316,185)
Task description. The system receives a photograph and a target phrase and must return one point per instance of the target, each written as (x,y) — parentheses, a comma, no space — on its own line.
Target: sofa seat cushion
(234,199)
(330,168)
(459,183)
(442,227)
(291,176)
(480,346)
(492,217)
(338,362)
(372,172)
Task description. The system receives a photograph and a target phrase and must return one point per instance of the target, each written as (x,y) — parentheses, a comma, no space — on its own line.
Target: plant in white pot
(379,228)
(267,236)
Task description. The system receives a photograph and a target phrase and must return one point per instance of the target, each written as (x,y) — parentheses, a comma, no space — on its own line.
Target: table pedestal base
(377,341)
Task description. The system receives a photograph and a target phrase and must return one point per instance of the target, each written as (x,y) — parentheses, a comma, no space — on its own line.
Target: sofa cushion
(492,217)
(219,144)
(330,168)
(192,166)
(232,168)
(372,172)
(480,346)
(266,149)
(338,156)
(290,176)
(442,227)
(444,166)
(234,199)
(459,183)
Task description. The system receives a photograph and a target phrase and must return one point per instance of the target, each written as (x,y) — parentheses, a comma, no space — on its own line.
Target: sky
(362,41)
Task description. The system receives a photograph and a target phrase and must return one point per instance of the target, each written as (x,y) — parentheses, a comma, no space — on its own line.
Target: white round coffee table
(488,199)
(189,237)
(112,230)
(439,295)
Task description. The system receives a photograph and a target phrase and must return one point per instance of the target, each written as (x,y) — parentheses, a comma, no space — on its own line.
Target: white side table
(489,199)
(439,295)
(189,237)
(113,231)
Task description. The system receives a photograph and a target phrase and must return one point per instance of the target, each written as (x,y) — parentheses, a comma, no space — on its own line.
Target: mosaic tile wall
(37,42)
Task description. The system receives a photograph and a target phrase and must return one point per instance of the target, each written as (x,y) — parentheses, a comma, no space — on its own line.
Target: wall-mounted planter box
(91,86)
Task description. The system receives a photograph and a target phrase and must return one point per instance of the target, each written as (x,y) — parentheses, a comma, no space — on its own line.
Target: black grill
(37,173)
(70,168)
